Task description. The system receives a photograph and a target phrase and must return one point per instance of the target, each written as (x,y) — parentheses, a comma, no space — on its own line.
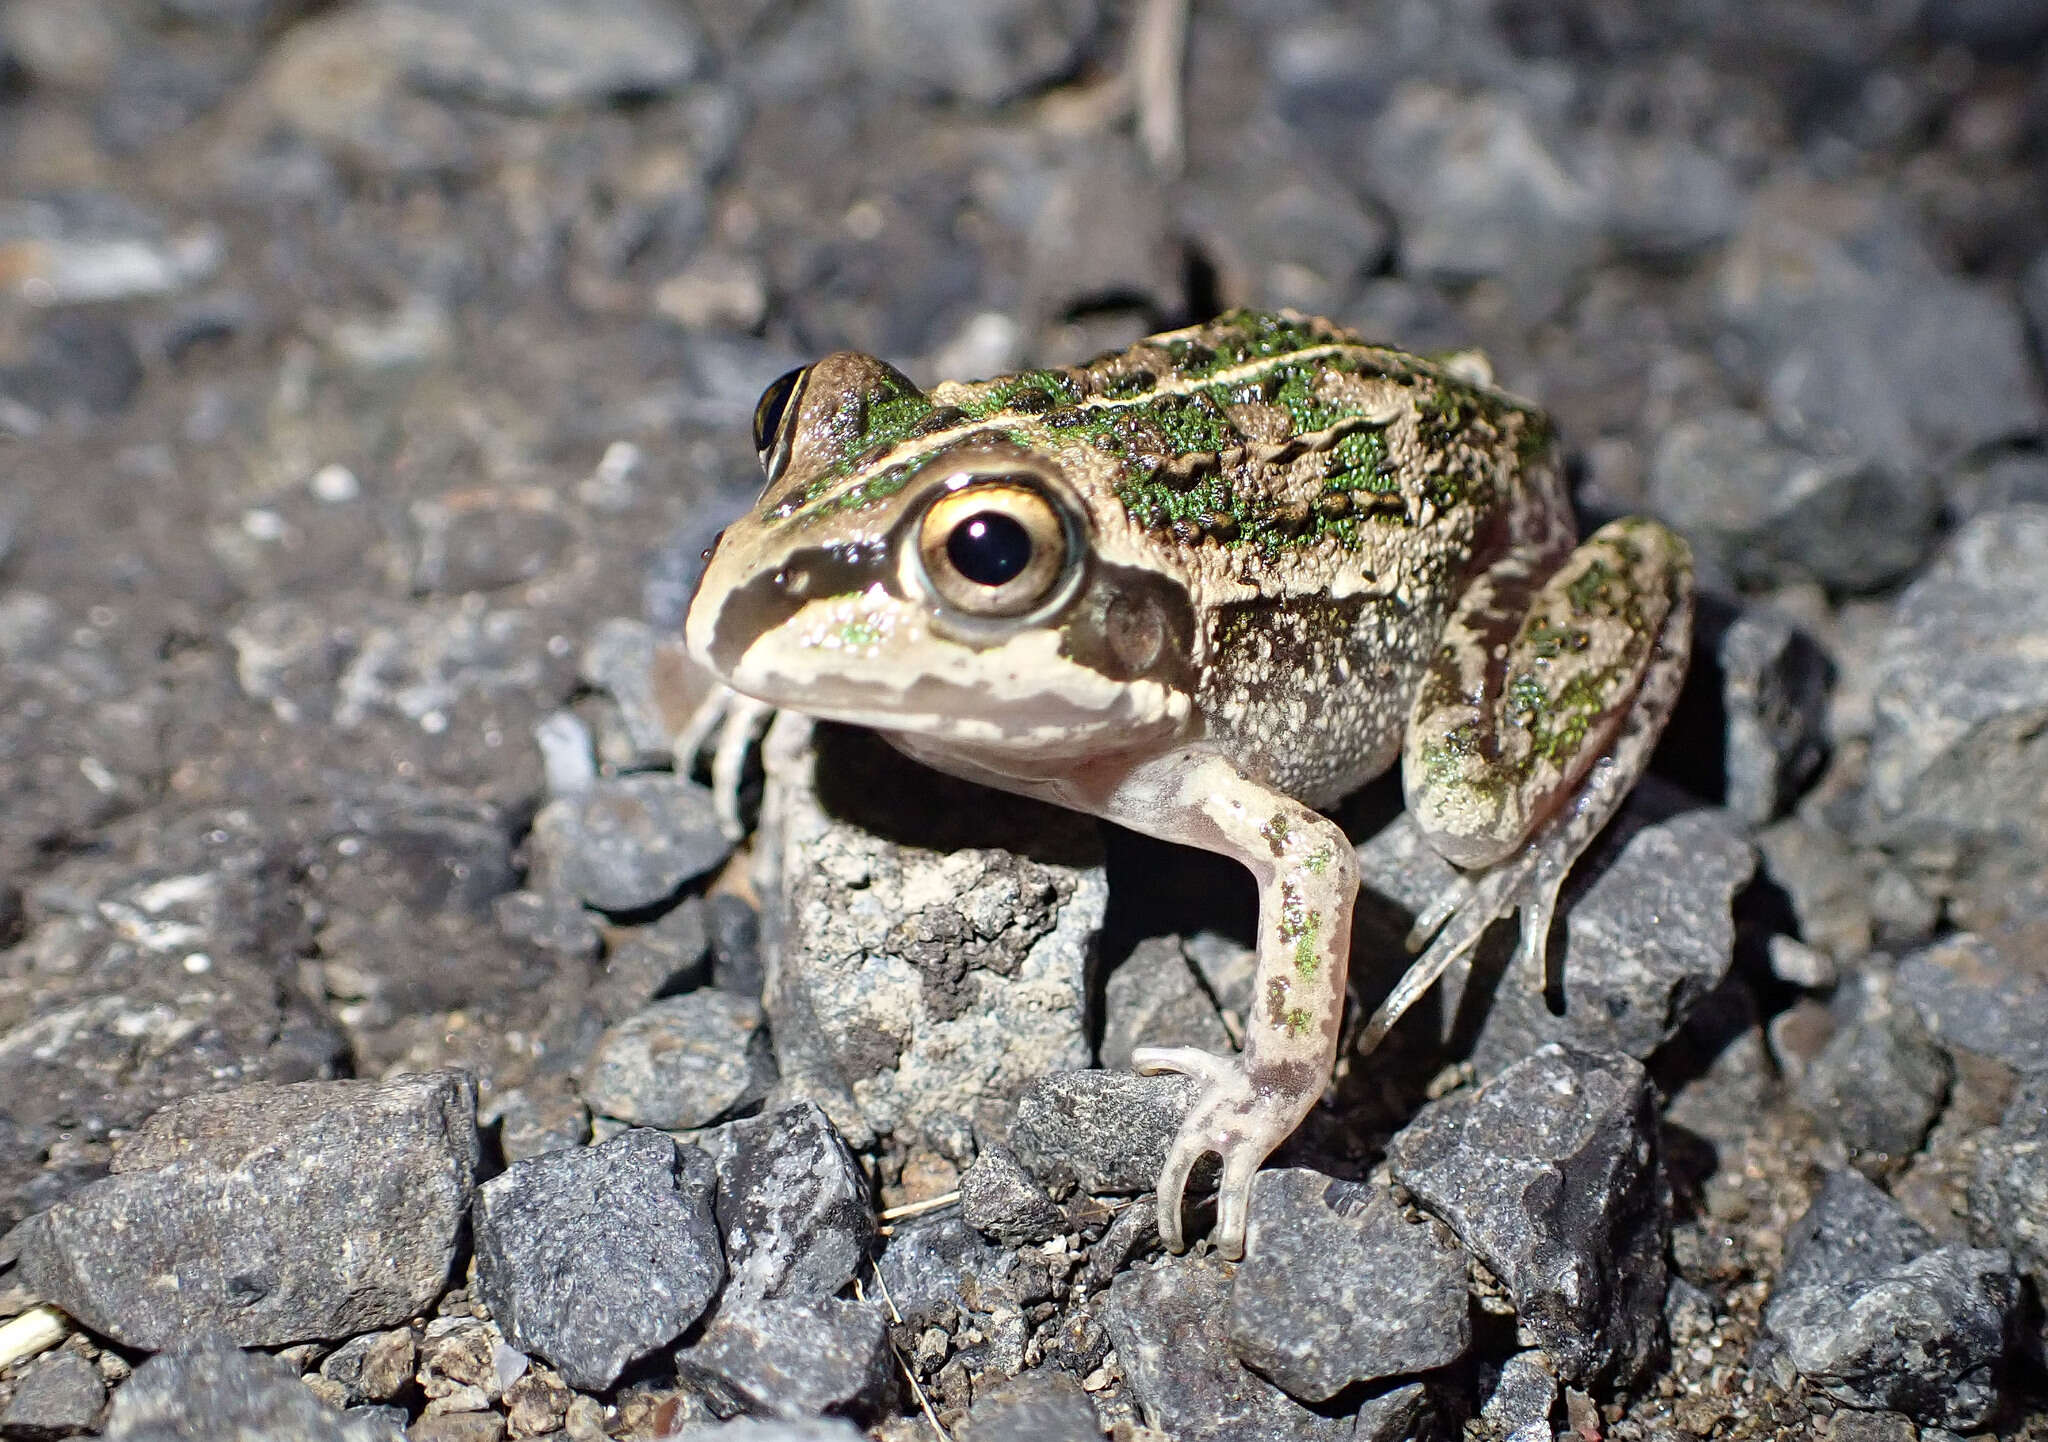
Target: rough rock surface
(1167,1322)
(794,1358)
(594,1257)
(273,1214)
(960,955)
(792,1206)
(1338,1287)
(210,1392)
(1874,1313)
(1549,1175)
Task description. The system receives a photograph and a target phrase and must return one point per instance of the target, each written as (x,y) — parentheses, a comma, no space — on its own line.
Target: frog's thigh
(1506,726)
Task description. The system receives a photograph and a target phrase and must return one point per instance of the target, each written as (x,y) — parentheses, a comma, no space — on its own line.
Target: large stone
(687,1061)
(60,1395)
(1549,1175)
(272,1214)
(210,1392)
(1961,696)
(2009,1191)
(1874,1314)
(597,1256)
(792,1205)
(542,57)
(1168,1325)
(627,842)
(1983,995)
(1338,1287)
(791,1358)
(930,944)
(1761,509)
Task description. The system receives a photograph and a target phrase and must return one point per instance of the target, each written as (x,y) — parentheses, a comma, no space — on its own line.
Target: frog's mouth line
(1032,697)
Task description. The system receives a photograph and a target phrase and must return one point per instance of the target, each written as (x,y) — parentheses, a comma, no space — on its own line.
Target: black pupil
(989,548)
(768,410)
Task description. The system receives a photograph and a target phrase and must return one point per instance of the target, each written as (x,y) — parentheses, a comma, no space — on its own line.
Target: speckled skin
(1291,557)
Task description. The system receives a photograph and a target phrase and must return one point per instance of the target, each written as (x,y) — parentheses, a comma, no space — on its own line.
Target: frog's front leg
(1538,714)
(1308,883)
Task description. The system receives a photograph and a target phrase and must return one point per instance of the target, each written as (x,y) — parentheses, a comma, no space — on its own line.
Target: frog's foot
(1232,1116)
(1452,925)
(726,725)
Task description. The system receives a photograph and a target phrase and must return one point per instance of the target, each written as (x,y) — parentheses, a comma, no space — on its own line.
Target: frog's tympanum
(1202,588)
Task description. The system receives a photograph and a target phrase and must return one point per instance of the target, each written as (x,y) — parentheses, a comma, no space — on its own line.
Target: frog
(1204,587)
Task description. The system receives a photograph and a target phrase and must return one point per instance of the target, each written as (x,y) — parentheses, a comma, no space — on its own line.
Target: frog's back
(1322,499)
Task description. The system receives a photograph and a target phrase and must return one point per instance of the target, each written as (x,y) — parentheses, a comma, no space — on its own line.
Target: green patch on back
(1032,392)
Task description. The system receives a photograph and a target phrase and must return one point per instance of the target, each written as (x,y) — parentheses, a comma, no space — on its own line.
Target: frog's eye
(994,548)
(775,420)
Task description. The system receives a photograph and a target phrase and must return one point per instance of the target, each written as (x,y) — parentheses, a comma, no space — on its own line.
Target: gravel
(373,376)
(211,1392)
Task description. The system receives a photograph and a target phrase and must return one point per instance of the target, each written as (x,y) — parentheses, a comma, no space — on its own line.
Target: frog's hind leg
(1513,766)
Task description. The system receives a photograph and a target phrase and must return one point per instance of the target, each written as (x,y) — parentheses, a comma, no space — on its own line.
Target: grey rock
(1101,1131)
(210,1392)
(927,1266)
(1482,189)
(2034,299)
(981,51)
(1003,1202)
(626,659)
(374,1367)
(1522,1394)
(1864,343)
(685,1062)
(792,1206)
(534,57)
(2005,478)
(664,957)
(1103,234)
(1167,1323)
(1154,998)
(1774,690)
(2009,1187)
(791,1358)
(1976,995)
(1648,933)
(1961,701)
(1663,199)
(60,1395)
(1875,1315)
(78,364)
(1760,509)
(629,841)
(959,977)
(1402,1413)
(532,1122)
(1549,1175)
(1827,884)
(595,1257)
(274,1214)
(1041,1405)
(1338,1287)
(1880,1081)
(1279,227)
(548,921)
(735,928)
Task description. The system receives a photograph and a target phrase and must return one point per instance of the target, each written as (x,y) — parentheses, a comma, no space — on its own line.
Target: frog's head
(917,567)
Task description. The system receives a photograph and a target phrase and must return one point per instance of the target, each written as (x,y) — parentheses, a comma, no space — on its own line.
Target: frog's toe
(726,725)
(1172,1192)
(1234,1199)
(1191,1061)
